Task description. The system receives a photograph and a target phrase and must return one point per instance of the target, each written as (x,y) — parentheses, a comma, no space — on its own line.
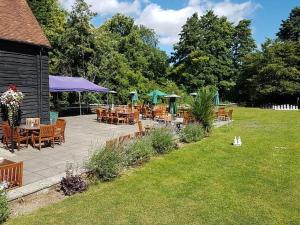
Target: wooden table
(29,128)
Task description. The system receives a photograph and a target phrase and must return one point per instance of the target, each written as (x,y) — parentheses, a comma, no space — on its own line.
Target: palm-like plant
(203,108)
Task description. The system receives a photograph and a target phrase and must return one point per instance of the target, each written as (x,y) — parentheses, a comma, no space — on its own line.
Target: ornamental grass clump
(106,163)
(192,133)
(203,108)
(139,151)
(4,210)
(162,140)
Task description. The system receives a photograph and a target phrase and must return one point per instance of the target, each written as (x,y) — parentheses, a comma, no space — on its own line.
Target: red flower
(13,87)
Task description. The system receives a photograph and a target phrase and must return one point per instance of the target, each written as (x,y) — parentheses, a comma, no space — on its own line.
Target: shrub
(203,108)
(72,185)
(106,163)
(4,210)
(139,151)
(192,133)
(162,140)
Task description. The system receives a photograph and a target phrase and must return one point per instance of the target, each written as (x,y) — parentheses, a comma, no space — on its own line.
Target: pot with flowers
(11,101)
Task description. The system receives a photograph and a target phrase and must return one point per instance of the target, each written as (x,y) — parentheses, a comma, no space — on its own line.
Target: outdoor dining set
(35,133)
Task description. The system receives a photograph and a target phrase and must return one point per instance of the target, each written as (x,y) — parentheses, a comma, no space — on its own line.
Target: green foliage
(119,54)
(139,151)
(203,108)
(162,140)
(192,133)
(4,209)
(210,52)
(272,74)
(290,28)
(106,163)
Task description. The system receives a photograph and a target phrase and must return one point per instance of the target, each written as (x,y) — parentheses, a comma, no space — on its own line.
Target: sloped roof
(17,23)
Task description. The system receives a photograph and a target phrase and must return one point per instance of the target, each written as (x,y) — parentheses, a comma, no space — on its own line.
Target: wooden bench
(11,172)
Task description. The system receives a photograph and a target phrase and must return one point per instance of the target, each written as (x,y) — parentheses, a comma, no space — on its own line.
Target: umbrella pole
(79,102)
(107,100)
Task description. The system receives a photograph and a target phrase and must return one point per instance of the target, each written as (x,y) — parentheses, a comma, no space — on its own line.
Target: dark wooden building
(24,57)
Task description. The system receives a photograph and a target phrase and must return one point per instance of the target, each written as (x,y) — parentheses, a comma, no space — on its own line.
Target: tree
(203,55)
(53,21)
(290,28)
(78,51)
(272,74)
(243,42)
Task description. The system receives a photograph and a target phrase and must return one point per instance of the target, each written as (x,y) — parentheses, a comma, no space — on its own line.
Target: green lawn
(210,182)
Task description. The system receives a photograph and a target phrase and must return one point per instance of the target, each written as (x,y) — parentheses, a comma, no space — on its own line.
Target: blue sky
(167,16)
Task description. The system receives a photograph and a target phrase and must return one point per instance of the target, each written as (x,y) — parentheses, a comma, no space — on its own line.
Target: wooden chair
(60,130)
(99,117)
(141,131)
(139,134)
(134,117)
(124,138)
(105,116)
(18,136)
(46,134)
(12,173)
(113,143)
(33,121)
(119,118)
(221,113)
(228,115)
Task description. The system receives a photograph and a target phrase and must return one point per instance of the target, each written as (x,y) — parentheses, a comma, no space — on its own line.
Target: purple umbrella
(76,84)
(69,84)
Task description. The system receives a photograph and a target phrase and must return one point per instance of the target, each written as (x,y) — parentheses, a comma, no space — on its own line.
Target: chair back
(124,138)
(140,126)
(230,114)
(138,134)
(47,131)
(61,123)
(33,121)
(136,115)
(113,143)
(221,111)
(5,130)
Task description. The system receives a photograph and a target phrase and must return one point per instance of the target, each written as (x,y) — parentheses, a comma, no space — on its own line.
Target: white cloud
(168,22)
(233,11)
(106,7)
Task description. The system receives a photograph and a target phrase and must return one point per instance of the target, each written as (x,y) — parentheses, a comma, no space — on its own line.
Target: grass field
(210,182)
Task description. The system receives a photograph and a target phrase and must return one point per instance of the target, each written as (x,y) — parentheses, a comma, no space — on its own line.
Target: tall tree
(78,51)
(53,20)
(272,74)
(203,55)
(290,28)
(243,42)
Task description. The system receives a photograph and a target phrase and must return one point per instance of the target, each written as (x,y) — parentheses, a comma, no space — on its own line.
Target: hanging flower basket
(11,100)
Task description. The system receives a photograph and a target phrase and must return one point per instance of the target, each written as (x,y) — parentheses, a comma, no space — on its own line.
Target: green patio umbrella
(172,103)
(217,99)
(134,97)
(155,94)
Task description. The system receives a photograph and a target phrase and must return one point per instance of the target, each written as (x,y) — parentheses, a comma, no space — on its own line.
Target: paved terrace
(83,135)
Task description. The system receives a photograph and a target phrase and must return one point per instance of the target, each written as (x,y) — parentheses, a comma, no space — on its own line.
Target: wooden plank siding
(20,65)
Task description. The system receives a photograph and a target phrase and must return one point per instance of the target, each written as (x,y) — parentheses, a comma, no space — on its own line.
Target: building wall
(21,64)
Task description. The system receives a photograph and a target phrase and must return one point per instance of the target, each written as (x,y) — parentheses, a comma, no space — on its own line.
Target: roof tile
(17,23)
